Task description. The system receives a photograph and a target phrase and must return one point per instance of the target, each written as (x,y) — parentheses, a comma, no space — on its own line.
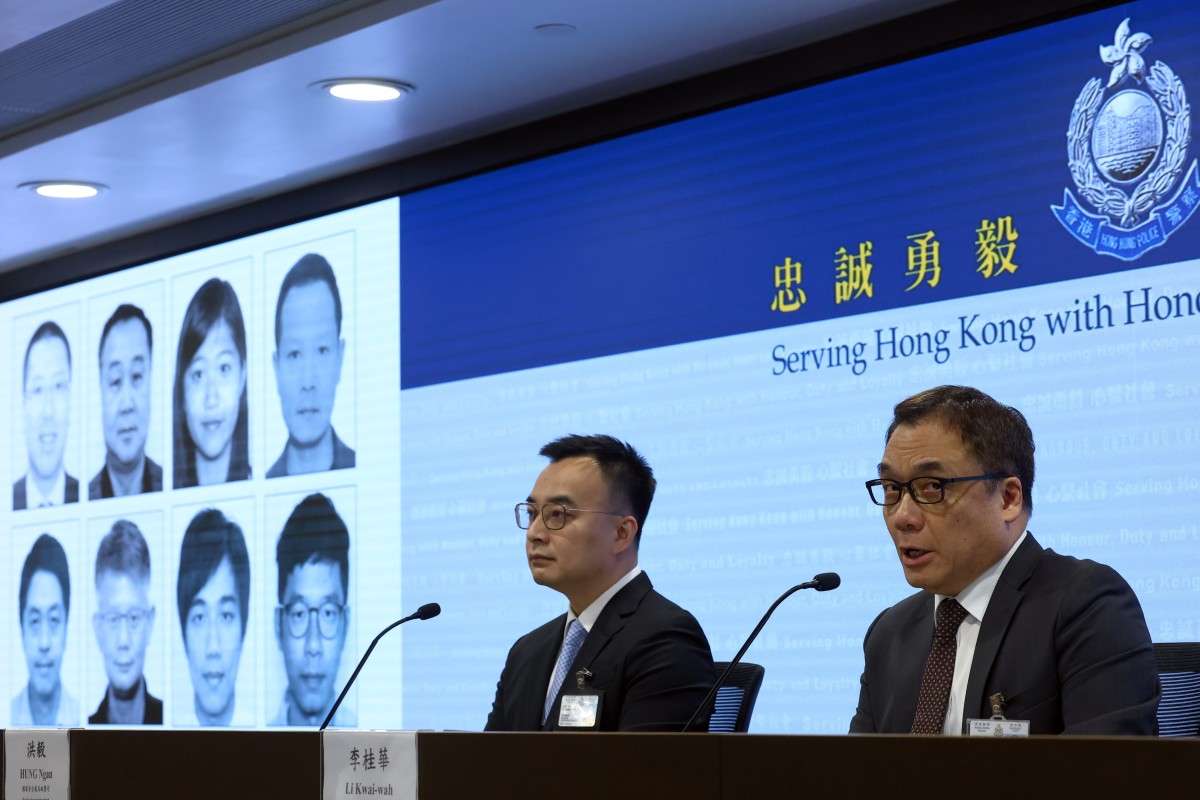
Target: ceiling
(186,107)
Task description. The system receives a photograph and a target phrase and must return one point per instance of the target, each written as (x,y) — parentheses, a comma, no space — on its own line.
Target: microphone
(427,611)
(824,582)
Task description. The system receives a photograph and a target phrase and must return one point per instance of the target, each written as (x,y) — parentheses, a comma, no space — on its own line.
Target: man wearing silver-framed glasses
(623,657)
(123,622)
(1001,626)
(313,615)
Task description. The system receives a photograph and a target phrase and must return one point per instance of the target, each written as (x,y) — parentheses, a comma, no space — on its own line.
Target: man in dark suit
(640,662)
(46,385)
(309,350)
(21,496)
(1050,639)
(123,622)
(126,344)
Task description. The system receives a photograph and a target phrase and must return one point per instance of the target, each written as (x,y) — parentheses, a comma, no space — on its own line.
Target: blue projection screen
(744,296)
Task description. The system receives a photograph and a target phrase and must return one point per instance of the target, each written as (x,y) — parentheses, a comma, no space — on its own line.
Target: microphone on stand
(824,582)
(427,611)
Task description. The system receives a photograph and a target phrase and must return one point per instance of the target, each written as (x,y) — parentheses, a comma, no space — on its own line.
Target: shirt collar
(978,594)
(57,495)
(590,614)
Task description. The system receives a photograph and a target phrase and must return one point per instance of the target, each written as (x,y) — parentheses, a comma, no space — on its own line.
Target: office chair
(1179,673)
(735,700)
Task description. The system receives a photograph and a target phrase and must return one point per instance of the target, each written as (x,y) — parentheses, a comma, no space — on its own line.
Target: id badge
(998,728)
(580,711)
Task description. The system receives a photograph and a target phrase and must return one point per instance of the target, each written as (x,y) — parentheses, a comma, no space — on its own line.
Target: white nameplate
(358,764)
(37,764)
(998,728)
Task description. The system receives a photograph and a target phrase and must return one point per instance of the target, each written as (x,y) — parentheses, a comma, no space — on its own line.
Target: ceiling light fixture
(369,90)
(64,190)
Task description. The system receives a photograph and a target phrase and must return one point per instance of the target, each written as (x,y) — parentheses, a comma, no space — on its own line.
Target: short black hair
(47,330)
(46,555)
(123,550)
(124,313)
(309,269)
(313,534)
(624,469)
(210,538)
(996,435)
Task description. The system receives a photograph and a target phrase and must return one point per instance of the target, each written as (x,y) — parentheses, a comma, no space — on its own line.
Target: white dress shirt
(974,599)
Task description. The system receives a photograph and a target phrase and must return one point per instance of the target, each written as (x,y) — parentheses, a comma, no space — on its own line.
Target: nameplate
(37,764)
(358,764)
(998,728)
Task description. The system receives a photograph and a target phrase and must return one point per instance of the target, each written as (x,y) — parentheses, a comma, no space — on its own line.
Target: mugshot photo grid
(115,415)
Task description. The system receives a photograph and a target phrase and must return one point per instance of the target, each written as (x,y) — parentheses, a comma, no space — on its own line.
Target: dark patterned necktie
(939,669)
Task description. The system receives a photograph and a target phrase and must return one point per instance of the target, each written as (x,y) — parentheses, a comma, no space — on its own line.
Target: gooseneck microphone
(427,611)
(824,582)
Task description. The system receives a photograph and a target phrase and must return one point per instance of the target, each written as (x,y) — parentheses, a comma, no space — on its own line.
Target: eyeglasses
(298,616)
(924,490)
(135,617)
(554,515)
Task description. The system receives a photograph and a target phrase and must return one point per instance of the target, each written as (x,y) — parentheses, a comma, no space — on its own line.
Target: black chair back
(1179,673)
(735,700)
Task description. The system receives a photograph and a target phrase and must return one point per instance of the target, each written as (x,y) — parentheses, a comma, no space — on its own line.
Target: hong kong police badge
(1127,145)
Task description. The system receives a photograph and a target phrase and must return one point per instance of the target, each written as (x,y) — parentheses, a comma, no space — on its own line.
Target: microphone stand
(424,612)
(821,583)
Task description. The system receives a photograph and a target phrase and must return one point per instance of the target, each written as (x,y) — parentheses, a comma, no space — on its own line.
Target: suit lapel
(1000,610)
(907,670)
(607,625)
(610,622)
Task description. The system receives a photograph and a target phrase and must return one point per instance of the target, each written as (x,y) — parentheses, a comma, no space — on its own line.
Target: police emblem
(1126,149)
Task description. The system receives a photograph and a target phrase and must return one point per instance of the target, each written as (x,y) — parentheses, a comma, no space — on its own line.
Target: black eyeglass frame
(338,621)
(912,491)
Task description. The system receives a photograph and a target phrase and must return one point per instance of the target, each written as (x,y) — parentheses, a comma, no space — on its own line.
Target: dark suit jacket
(343,458)
(1064,640)
(101,486)
(20,496)
(648,655)
(152,716)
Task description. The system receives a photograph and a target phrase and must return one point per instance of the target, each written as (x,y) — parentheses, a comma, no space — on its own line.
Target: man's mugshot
(213,595)
(44,606)
(123,623)
(311,620)
(125,348)
(46,388)
(309,350)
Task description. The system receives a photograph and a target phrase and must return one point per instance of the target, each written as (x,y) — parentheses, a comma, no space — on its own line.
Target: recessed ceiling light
(369,90)
(555,29)
(65,190)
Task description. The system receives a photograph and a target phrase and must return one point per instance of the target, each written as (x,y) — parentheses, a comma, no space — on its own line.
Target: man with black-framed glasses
(311,620)
(623,657)
(1003,627)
